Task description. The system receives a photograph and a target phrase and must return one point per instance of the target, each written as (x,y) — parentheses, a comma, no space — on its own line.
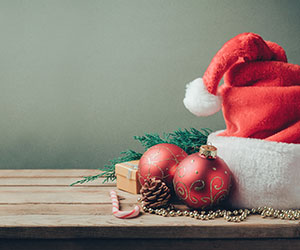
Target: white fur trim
(199,101)
(266,173)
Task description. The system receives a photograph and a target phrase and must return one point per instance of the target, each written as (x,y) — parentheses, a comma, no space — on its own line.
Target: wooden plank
(158,244)
(50,181)
(145,221)
(40,173)
(60,195)
(145,227)
(39,204)
(60,209)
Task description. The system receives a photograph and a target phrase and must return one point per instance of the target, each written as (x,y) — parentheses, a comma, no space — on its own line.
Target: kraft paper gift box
(127,177)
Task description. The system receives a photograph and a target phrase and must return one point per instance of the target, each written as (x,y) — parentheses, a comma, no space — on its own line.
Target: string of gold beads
(230,216)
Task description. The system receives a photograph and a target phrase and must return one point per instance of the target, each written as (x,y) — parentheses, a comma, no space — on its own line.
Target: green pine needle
(109,170)
(189,140)
(149,140)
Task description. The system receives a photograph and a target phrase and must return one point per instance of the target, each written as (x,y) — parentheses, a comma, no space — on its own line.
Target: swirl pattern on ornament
(154,160)
(215,187)
(195,185)
(181,189)
(181,171)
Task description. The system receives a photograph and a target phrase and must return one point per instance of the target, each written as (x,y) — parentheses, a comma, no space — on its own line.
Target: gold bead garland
(230,216)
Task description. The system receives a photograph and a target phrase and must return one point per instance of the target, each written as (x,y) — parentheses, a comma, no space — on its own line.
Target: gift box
(127,177)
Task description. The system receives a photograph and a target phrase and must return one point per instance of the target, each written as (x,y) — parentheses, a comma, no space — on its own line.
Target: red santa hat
(260,96)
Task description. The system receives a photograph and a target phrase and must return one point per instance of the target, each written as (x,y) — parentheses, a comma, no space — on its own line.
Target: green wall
(79,79)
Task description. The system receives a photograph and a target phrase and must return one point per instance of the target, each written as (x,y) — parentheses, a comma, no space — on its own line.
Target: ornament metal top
(202,180)
(208,151)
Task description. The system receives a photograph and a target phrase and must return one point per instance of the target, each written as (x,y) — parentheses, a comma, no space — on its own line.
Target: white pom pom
(199,101)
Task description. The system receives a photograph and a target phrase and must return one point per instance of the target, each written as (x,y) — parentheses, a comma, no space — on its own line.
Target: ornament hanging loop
(208,151)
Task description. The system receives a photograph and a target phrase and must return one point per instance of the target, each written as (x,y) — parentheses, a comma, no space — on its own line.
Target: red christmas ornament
(160,161)
(202,179)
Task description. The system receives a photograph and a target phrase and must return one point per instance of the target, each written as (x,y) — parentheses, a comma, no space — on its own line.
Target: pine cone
(155,193)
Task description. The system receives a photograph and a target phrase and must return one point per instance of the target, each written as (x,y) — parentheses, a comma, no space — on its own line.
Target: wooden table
(39,210)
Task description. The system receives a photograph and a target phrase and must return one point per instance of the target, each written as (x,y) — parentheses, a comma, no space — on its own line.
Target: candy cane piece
(122,214)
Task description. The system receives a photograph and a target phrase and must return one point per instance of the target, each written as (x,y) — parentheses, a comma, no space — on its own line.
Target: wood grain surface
(39,206)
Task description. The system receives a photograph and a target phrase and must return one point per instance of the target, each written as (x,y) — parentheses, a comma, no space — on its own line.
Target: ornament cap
(208,151)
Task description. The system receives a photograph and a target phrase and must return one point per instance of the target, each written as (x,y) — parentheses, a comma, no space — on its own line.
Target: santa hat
(260,99)
(260,96)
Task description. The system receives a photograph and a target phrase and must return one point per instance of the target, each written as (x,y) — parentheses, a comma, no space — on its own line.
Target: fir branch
(149,140)
(87,179)
(109,169)
(189,140)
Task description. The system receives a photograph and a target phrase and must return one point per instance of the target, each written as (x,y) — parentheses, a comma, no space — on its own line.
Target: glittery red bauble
(160,161)
(202,182)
